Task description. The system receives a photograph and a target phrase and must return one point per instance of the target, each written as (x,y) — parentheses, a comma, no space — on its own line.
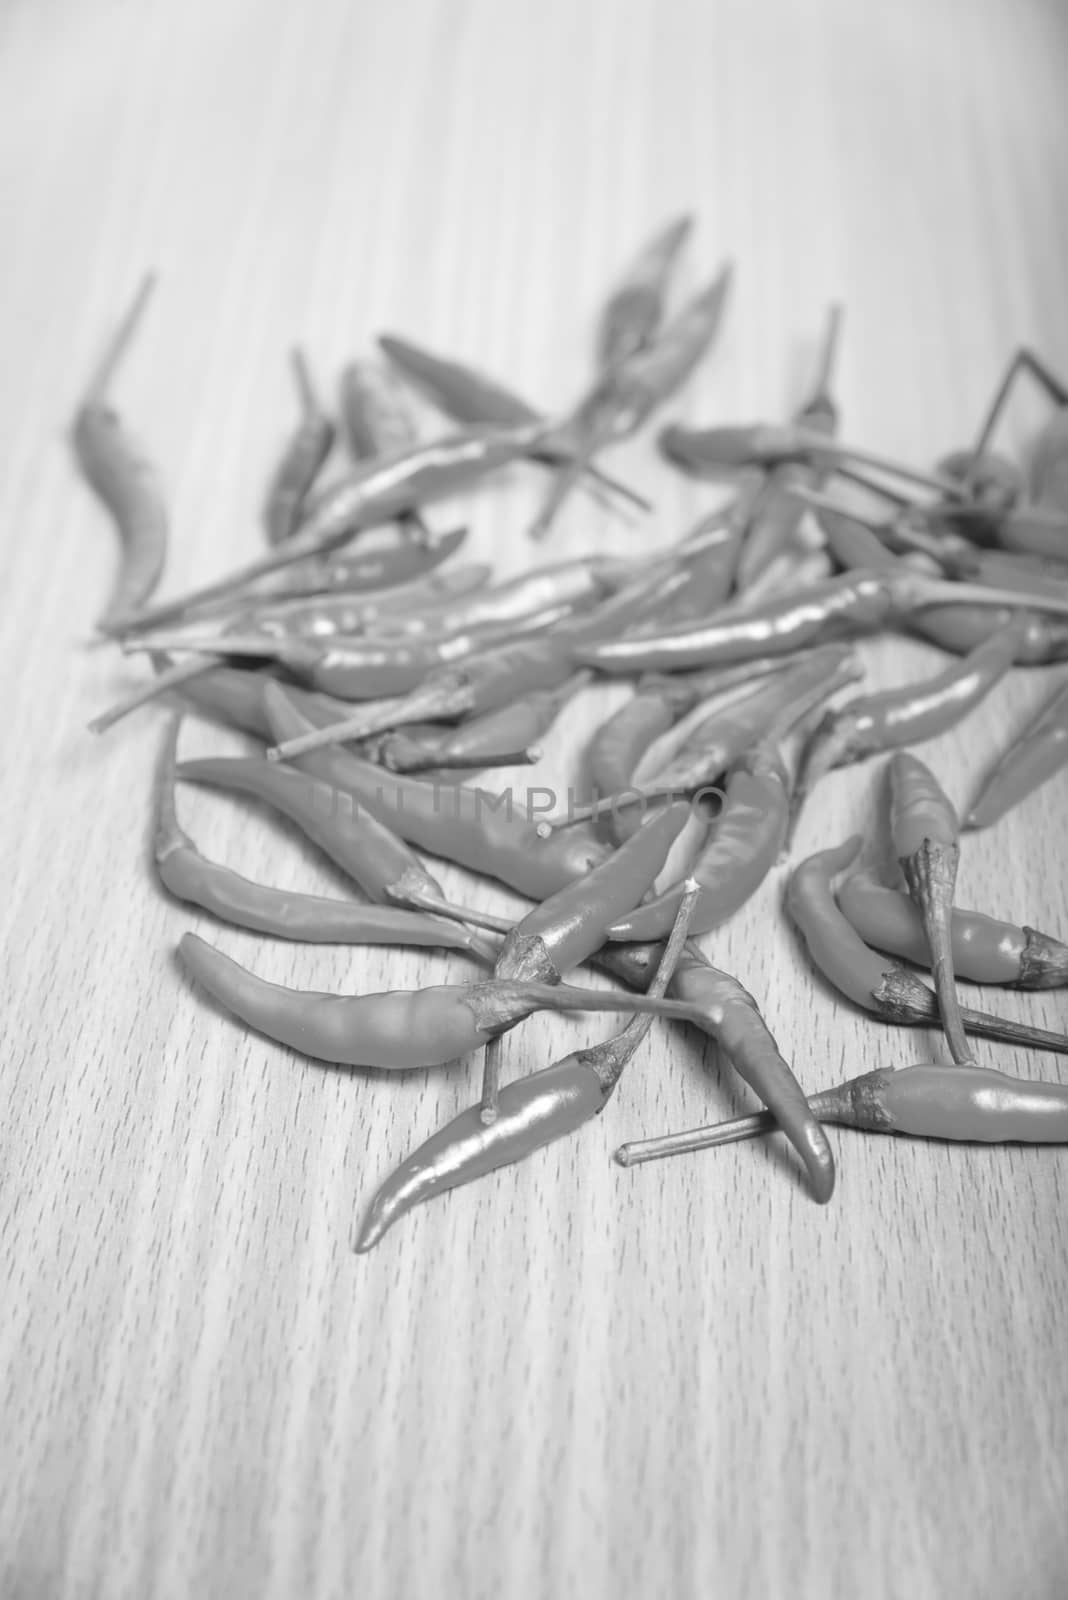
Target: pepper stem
(118,344)
(931,876)
(423,901)
(309,401)
(450,699)
(172,678)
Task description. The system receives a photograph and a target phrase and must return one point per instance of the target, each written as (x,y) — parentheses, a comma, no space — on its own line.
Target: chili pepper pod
(327,616)
(302,460)
(959,628)
(635,308)
(992,481)
(308,918)
(533,1112)
(873,723)
(376,495)
(483,740)
(855,601)
(570,925)
(578,585)
(475,400)
(121,477)
(1030,761)
(628,392)
(985,950)
(928,1101)
(926,835)
(377,421)
(887,991)
(398,1029)
(490,833)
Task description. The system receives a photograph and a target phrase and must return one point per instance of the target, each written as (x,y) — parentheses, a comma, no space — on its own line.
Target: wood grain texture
(686,1380)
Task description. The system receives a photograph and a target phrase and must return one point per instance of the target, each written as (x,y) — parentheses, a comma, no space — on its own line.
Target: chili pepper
(120,476)
(708,451)
(377,494)
(481,683)
(571,924)
(399,1029)
(471,398)
(725,1011)
(626,394)
(926,835)
(356,669)
(324,616)
(872,723)
(302,460)
(377,422)
(984,949)
(854,600)
(777,514)
(1049,468)
(474,827)
(889,992)
(516,727)
(1031,760)
(707,568)
(961,628)
(309,918)
(574,584)
(929,1101)
(634,310)
(742,847)
(531,1113)
(992,481)
(790,572)
(231,695)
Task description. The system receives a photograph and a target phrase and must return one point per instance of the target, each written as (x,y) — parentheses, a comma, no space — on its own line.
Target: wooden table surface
(686,1380)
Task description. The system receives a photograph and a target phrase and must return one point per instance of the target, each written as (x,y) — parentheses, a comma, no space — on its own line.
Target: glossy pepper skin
(308,918)
(744,844)
(985,950)
(1038,755)
(398,1030)
(928,1101)
(534,1112)
(490,833)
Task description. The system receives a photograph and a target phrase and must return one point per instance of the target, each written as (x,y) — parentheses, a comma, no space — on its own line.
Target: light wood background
(687,1380)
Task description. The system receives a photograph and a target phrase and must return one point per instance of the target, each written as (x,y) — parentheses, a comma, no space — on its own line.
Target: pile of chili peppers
(378,673)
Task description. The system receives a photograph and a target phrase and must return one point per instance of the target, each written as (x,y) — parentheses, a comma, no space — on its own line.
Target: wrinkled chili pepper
(626,394)
(726,1011)
(308,918)
(984,949)
(472,398)
(493,834)
(531,1113)
(778,512)
(570,925)
(889,992)
(853,601)
(377,494)
(121,477)
(634,310)
(1037,755)
(928,1101)
(399,1029)
(874,723)
(302,460)
(926,836)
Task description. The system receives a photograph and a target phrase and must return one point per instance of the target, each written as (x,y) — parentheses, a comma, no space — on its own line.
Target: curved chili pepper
(121,477)
(778,511)
(634,310)
(571,924)
(710,450)
(984,949)
(472,398)
(1037,755)
(626,394)
(309,918)
(490,833)
(726,1011)
(889,992)
(531,1113)
(377,494)
(926,835)
(960,628)
(928,1101)
(873,723)
(852,601)
(399,1029)
(743,845)
(302,460)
